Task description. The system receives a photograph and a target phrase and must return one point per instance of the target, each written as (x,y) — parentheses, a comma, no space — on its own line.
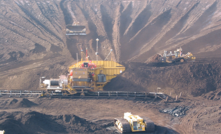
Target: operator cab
(85,64)
(137,126)
(52,84)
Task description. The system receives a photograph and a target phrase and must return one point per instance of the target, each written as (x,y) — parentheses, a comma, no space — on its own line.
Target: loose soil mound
(213,95)
(20,103)
(155,58)
(34,122)
(189,78)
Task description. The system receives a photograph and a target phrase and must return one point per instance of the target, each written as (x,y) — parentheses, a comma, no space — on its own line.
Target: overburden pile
(35,122)
(194,79)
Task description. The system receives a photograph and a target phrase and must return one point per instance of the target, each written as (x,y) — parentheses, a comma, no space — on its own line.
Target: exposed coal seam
(65,12)
(121,7)
(210,38)
(54,17)
(144,56)
(176,29)
(198,25)
(139,23)
(194,6)
(31,23)
(43,10)
(93,29)
(169,35)
(107,22)
(34,25)
(155,27)
(28,31)
(15,31)
(38,22)
(54,1)
(178,4)
(125,19)
(164,2)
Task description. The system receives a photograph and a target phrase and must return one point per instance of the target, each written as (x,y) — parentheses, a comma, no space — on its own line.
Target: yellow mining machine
(177,56)
(133,123)
(83,76)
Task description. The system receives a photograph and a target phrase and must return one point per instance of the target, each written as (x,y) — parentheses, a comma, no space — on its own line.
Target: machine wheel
(150,126)
(122,125)
(181,60)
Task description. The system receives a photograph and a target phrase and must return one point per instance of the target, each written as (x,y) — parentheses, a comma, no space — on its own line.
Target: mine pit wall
(75,43)
(136,30)
(34,44)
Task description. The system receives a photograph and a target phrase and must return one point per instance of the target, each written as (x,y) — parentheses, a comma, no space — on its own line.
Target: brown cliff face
(137,30)
(33,44)
(33,41)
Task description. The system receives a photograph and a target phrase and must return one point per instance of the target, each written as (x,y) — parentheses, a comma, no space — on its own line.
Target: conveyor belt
(98,94)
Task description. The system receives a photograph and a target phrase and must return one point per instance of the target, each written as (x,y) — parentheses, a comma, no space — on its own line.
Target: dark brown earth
(96,115)
(33,41)
(190,78)
(33,44)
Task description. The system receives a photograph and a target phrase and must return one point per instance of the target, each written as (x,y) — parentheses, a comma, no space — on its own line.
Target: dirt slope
(75,116)
(136,30)
(193,79)
(34,122)
(33,41)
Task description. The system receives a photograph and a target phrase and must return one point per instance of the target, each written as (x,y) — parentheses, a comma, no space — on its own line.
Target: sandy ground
(202,117)
(93,110)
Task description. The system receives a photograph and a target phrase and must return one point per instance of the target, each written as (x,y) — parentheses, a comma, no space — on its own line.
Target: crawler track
(125,125)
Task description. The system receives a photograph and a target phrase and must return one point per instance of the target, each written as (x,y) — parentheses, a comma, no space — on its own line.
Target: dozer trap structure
(75,30)
(177,56)
(133,123)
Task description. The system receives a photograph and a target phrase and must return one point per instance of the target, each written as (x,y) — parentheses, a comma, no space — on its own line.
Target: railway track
(84,94)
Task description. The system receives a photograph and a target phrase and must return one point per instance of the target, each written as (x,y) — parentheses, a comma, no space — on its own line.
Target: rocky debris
(213,95)
(35,122)
(33,35)
(174,78)
(20,103)
(177,111)
(155,58)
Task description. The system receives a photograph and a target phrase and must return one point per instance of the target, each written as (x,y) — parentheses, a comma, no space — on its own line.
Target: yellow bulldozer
(133,123)
(177,56)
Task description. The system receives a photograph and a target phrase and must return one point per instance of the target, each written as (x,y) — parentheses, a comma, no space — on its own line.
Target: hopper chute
(76,30)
